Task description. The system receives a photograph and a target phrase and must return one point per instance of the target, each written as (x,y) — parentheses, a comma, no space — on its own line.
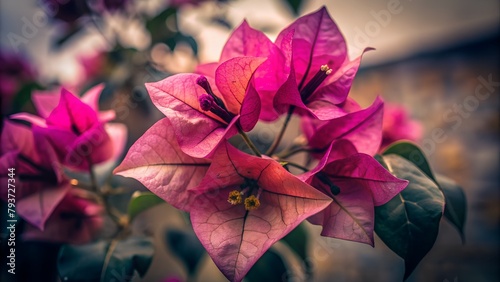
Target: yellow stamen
(324,68)
(73,182)
(234,197)
(252,203)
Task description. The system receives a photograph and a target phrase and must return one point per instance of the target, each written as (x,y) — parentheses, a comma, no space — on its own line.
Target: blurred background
(437,59)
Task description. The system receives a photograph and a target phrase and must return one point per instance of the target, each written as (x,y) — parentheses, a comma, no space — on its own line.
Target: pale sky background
(410,27)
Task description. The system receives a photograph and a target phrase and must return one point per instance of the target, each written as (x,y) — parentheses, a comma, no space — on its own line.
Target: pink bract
(234,236)
(357,183)
(363,128)
(316,42)
(398,125)
(198,131)
(246,41)
(38,177)
(75,129)
(75,220)
(158,163)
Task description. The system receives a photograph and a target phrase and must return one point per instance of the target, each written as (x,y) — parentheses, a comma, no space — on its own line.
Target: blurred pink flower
(75,220)
(398,125)
(38,178)
(75,129)
(93,66)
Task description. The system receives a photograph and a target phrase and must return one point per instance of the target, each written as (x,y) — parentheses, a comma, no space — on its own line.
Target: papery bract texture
(363,128)
(199,131)
(317,42)
(234,234)
(248,42)
(356,183)
(157,162)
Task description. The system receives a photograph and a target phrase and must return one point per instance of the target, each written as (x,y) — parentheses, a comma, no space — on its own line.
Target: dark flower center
(210,102)
(315,82)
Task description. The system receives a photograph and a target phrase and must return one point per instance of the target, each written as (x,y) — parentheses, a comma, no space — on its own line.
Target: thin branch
(249,142)
(277,140)
(305,169)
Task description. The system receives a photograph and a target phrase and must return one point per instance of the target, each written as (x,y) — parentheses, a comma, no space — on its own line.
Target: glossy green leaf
(413,153)
(118,260)
(456,203)
(186,246)
(142,201)
(270,267)
(409,223)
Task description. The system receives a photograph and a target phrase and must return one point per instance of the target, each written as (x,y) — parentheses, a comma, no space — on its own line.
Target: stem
(290,153)
(93,180)
(305,169)
(115,215)
(249,142)
(277,141)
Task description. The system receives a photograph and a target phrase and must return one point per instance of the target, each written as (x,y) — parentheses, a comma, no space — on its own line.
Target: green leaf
(87,262)
(456,203)
(186,246)
(413,153)
(409,223)
(380,159)
(142,201)
(270,267)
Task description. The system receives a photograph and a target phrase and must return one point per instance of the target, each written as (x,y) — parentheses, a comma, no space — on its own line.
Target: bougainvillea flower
(268,77)
(357,183)
(157,162)
(363,128)
(202,115)
(321,73)
(38,179)
(398,125)
(75,220)
(74,128)
(244,205)
(46,101)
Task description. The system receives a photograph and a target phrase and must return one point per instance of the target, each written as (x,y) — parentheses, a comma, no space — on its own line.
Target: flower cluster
(241,204)
(69,133)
